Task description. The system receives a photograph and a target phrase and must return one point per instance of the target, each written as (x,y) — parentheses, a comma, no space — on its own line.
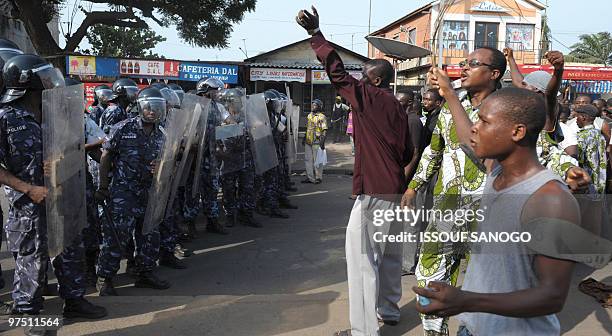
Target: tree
(592,48)
(122,42)
(202,23)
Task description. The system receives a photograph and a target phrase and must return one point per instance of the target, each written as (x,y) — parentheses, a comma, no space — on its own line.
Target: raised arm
(517,77)
(556,59)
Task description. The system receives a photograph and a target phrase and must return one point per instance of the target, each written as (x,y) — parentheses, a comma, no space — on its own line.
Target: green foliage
(122,42)
(592,48)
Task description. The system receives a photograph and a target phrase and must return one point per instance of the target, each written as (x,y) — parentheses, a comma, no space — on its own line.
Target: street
(288,278)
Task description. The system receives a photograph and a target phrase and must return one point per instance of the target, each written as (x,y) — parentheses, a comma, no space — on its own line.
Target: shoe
(193,232)
(353,197)
(6,309)
(215,227)
(318,181)
(232,219)
(184,238)
(346,332)
(262,210)
(181,251)
(388,322)
(81,308)
(106,287)
(284,203)
(130,268)
(91,258)
(307,181)
(247,219)
(276,213)
(149,280)
(169,260)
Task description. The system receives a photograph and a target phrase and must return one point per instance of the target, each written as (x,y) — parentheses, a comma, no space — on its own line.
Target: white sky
(345,22)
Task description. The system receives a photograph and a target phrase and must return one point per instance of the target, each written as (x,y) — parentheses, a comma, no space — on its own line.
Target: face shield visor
(104,96)
(49,76)
(152,110)
(180,94)
(131,93)
(171,97)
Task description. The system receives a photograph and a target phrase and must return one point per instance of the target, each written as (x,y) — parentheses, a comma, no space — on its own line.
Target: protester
(338,119)
(514,291)
(432,103)
(349,131)
(316,133)
(381,136)
(591,147)
(415,129)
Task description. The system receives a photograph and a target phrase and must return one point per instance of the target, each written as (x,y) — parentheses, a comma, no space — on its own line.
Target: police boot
(276,213)
(181,251)
(214,226)
(290,188)
(34,330)
(247,219)
(105,287)
(6,309)
(149,280)
(81,308)
(284,203)
(232,219)
(91,257)
(169,260)
(130,268)
(192,231)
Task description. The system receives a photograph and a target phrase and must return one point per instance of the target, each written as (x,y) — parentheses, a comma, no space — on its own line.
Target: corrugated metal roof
(300,66)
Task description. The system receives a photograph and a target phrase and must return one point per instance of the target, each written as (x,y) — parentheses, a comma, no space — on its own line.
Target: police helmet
(178,89)
(151,105)
(28,72)
(8,49)
(206,84)
(103,94)
(125,87)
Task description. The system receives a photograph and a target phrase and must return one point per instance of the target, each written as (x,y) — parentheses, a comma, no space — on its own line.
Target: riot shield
(191,107)
(258,126)
(64,155)
(291,144)
(200,138)
(230,135)
(175,127)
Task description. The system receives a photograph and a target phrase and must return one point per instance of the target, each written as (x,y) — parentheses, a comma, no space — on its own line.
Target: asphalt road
(288,278)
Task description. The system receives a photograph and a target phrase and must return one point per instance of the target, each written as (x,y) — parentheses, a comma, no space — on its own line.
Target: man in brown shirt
(382,150)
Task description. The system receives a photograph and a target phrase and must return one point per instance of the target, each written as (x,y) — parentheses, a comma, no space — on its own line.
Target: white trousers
(310,155)
(374,268)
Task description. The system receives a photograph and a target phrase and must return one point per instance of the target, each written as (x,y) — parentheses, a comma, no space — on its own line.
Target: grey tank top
(505,267)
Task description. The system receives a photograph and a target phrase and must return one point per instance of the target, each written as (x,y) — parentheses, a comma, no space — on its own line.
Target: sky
(345,22)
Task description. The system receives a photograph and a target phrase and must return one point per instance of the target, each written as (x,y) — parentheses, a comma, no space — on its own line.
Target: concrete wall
(14,30)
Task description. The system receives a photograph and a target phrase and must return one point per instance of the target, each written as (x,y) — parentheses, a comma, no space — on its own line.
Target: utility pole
(370,18)
(245,49)
(352,42)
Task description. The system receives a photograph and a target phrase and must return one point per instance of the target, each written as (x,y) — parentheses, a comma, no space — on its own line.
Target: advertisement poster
(455,35)
(149,68)
(228,74)
(82,65)
(519,36)
(278,75)
(320,76)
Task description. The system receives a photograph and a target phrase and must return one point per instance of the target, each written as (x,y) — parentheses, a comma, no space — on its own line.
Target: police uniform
(209,185)
(112,115)
(21,154)
(133,151)
(238,182)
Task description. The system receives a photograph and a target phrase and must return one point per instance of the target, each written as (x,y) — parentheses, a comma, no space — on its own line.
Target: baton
(111,224)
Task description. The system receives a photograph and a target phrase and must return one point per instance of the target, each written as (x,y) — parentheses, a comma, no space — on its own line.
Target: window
(412,36)
(455,35)
(396,36)
(519,36)
(486,34)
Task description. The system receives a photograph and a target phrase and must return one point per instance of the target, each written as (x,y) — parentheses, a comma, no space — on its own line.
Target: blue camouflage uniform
(91,234)
(95,113)
(21,153)
(210,184)
(112,115)
(239,181)
(133,152)
(271,179)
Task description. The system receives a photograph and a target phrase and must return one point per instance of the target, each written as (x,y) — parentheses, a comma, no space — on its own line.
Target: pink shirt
(349,126)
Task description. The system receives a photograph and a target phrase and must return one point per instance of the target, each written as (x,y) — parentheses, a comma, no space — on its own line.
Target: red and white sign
(149,68)
(278,75)
(320,76)
(89,91)
(569,72)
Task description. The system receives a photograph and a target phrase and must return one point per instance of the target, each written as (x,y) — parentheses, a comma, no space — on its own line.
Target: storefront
(94,71)
(295,70)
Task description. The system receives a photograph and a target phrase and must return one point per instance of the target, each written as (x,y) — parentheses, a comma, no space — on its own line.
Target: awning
(590,87)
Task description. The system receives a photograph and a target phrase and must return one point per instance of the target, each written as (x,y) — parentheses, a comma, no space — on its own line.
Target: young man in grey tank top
(515,292)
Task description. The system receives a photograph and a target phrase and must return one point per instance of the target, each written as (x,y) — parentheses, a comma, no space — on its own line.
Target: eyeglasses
(473,63)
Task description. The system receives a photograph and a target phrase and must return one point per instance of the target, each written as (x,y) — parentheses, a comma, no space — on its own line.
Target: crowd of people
(156,158)
(524,155)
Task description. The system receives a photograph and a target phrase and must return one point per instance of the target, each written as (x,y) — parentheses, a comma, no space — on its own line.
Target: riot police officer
(124,94)
(21,144)
(209,87)
(102,97)
(132,150)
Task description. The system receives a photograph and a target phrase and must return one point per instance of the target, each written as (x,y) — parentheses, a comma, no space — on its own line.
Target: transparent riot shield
(64,155)
(191,107)
(200,138)
(230,135)
(161,187)
(258,126)
(291,143)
